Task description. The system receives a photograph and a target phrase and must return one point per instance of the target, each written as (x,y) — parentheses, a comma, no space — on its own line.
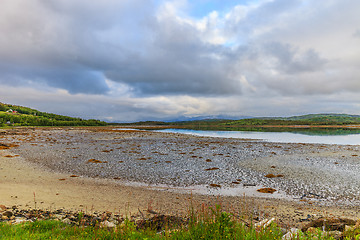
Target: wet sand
(23,176)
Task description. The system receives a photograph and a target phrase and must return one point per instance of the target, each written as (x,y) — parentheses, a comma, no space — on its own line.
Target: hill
(309,119)
(259,124)
(12,115)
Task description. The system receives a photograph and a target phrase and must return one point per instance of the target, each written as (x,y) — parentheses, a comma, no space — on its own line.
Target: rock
(160,222)
(312,230)
(292,234)
(67,221)
(7,214)
(215,185)
(266,190)
(349,228)
(20,220)
(283,231)
(264,223)
(107,224)
(334,234)
(4,218)
(3,208)
(329,224)
(59,216)
(357,224)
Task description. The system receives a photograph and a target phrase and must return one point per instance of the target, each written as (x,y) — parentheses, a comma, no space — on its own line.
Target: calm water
(283,137)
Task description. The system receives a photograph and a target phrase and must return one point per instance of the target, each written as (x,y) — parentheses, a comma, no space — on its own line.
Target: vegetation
(214,224)
(311,119)
(22,116)
(263,124)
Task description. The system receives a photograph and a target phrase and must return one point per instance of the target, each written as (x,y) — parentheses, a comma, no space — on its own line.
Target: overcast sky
(131,60)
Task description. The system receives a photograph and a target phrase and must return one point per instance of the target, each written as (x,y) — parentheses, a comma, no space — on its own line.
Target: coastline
(20,179)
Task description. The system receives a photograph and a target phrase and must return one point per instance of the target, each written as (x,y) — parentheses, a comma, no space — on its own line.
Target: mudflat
(125,171)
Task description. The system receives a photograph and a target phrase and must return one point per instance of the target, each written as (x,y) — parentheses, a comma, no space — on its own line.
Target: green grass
(210,224)
(25,116)
(50,229)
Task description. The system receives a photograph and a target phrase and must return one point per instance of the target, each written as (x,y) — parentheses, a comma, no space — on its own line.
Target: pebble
(307,168)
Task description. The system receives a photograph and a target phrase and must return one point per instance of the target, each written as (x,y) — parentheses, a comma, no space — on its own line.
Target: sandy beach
(94,169)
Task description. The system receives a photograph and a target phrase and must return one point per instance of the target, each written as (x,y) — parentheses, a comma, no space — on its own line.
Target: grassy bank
(211,223)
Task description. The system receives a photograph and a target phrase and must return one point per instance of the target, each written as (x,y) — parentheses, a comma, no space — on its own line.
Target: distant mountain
(206,118)
(13,115)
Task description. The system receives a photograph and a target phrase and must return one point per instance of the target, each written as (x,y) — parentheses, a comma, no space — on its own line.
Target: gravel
(329,172)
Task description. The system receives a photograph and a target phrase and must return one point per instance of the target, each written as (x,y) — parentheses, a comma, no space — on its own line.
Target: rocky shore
(209,165)
(336,228)
(102,169)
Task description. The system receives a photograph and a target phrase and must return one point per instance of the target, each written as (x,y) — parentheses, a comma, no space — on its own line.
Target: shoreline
(100,195)
(23,179)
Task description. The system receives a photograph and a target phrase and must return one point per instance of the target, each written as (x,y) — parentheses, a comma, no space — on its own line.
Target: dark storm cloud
(61,44)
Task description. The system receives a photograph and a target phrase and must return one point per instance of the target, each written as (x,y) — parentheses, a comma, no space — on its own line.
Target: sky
(136,60)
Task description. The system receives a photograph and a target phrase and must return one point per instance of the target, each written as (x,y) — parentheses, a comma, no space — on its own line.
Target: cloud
(290,61)
(154,53)
(59,42)
(357,33)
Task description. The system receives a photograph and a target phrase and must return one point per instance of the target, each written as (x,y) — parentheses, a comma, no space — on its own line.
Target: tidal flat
(325,174)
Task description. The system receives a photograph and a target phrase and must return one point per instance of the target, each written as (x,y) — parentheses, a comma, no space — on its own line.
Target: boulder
(7,214)
(292,234)
(19,220)
(107,224)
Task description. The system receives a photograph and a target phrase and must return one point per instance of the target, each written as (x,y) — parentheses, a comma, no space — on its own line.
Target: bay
(283,137)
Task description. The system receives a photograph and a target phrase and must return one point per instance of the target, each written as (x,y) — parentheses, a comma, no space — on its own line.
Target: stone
(4,218)
(349,228)
(292,234)
(7,214)
(357,224)
(215,185)
(337,224)
(19,220)
(264,223)
(67,221)
(266,190)
(3,208)
(107,224)
(334,234)
(59,216)
(312,230)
